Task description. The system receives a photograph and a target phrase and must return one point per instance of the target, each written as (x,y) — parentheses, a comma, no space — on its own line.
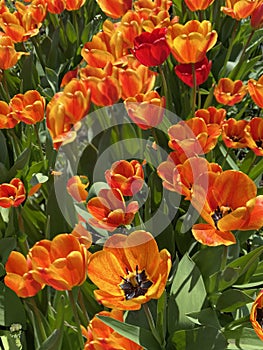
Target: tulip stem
(76,317)
(38,323)
(39,144)
(38,52)
(224,160)
(83,307)
(193,89)
(150,320)
(164,84)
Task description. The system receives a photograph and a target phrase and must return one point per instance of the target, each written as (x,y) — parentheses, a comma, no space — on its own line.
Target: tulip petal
(208,235)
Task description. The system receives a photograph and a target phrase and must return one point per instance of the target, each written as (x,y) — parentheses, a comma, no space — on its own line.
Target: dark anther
(260,317)
(135,286)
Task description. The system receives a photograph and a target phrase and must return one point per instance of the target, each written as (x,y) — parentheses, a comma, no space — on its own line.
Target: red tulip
(151,49)
(202,70)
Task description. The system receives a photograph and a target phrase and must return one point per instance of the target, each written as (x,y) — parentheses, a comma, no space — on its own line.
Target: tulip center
(259,143)
(260,317)
(219,213)
(135,284)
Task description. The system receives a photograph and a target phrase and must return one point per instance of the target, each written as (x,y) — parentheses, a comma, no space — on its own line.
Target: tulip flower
(146,110)
(256,18)
(195,5)
(256,315)
(229,92)
(151,49)
(101,336)
(56,6)
(82,234)
(202,70)
(109,210)
(73,5)
(129,271)
(126,176)
(7,121)
(255,89)
(193,136)
(181,177)
(115,8)
(28,108)
(190,42)
(212,115)
(254,135)
(60,263)
(76,187)
(239,9)
(233,133)
(8,54)
(19,276)
(226,209)
(12,194)
(25,22)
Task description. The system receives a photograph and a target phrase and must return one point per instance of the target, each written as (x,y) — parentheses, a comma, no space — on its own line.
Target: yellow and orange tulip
(254,135)
(239,9)
(129,271)
(233,133)
(190,42)
(255,89)
(109,210)
(76,187)
(229,92)
(60,263)
(225,210)
(127,176)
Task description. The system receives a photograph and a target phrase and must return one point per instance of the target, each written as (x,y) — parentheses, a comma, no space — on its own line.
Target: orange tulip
(229,92)
(128,177)
(181,177)
(256,315)
(3,7)
(73,5)
(109,210)
(129,271)
(19,276)
(190,42)
(60,263)
(25,22)
(76,187)
(65,109)
(68,77)
(255,89)
(233,133)
(193,136)
(225,209)
(146,110)
(135,78)
(212,115)
(28,108)
(56,6)
(115,8)
(239,9)
(6,119)
(12,194)
(100,336)
(82,234)
(254,135)
(8,54)
(198,4)
(152,4)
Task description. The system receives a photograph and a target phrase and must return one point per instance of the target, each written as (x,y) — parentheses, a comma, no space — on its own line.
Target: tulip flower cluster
(131,174)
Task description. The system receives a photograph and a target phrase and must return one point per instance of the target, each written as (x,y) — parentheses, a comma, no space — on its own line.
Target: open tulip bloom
(131,175)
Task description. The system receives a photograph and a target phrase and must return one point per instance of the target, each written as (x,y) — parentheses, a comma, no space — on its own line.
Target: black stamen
(138,286)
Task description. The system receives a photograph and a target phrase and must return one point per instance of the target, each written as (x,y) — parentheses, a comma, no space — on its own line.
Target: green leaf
(232,299)
(11,308)
(257,170)
(188,294)
(205,338)
(29,74)
(71,32)
(6,246)
(161,315)
(20,163)
(244,339)
(138,335)
(53,342)
(206,317)
(4,158)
